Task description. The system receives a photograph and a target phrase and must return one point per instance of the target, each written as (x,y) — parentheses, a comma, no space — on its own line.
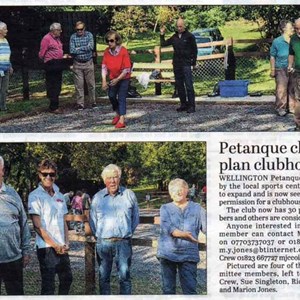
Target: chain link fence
(208,72)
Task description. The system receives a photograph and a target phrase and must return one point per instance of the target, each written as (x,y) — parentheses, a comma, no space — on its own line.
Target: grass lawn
(254,70)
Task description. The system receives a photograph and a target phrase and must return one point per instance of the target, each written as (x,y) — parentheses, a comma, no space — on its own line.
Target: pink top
(77,203)
(51,48)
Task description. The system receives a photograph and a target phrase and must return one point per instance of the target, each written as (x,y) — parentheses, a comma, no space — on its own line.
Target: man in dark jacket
(184,59)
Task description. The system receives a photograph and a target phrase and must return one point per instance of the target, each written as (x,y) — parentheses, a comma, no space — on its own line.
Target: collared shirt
(193,219)
(14,230)
(82,46)
(116,62)
(295,50)
(114,216)
(185,48)
(280,51)
(51,211)
(51,48)
(5,53)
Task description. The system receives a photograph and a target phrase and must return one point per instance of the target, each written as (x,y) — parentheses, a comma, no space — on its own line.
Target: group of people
(114,216)
(285,68)
(116,65)
(116,68)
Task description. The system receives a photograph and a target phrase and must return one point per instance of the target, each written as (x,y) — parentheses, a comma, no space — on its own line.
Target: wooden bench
(166,73)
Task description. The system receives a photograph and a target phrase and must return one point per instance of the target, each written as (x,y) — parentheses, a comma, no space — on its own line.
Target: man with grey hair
(294,67)
(51,52)
(5,66)
(14,238)
(114,216)
(184,58)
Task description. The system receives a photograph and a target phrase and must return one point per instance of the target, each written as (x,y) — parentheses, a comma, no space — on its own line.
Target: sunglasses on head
(110,41)
(44,174)
(79,29)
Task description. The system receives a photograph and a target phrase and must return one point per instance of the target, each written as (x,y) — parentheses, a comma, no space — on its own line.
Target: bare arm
(291,60)
(272,64)
(184,235)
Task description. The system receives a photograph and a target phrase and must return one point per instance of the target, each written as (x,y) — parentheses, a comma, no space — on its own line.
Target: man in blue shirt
(180,224)
(81,48)
(114,216)
(14,238)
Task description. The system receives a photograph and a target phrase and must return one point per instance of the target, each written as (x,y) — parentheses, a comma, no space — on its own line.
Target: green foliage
(141,163)
(130,20)
(269,16)
(213,17)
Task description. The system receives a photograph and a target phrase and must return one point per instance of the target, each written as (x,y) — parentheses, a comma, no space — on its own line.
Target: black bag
(132,92)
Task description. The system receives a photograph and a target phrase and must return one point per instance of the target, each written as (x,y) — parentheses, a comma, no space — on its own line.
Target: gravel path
(161,117)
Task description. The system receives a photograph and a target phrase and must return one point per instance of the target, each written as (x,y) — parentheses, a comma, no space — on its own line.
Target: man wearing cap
(48,209)
(114,216)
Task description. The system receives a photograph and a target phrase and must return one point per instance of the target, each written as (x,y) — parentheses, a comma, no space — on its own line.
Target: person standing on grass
(184,59)
(279,53)
(117,65)
(47,209)
(180,224)
(114,216)
(51,53)
(81,49)
(14,238)
(5,66)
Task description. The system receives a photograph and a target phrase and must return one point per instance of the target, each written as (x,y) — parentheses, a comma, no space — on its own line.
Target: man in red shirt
(51,52)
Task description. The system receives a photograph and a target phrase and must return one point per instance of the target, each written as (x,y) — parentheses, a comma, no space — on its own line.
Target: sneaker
(79,107)
(181,108)
(282,113)
(115,120)
(120,125)
(94,105)
(295,129)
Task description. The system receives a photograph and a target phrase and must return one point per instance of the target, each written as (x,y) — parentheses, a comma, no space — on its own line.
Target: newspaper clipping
(256,247)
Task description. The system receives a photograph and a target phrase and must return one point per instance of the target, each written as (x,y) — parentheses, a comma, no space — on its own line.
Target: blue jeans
(121,251)
(50,264)
(3,90)
(184,84)
(117,95)
(187,275)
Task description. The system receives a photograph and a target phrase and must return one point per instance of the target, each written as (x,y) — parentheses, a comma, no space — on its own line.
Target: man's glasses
(79,29)
(44,174)
(110,41)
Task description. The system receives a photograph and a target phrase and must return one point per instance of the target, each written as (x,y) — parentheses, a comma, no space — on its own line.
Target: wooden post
(25,75)
(230,71)
(157,53)
(89,258)
(90,278)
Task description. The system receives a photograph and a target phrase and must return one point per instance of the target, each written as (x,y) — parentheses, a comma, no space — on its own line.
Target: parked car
(204,50)
(214,34)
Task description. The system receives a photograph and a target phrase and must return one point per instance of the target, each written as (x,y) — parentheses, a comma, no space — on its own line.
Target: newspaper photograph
(150,150)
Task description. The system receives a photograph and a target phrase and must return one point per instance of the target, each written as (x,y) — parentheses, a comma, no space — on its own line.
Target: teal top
(295,50)
(280,51)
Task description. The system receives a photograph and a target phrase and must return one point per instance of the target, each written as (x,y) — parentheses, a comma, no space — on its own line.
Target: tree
(129,21)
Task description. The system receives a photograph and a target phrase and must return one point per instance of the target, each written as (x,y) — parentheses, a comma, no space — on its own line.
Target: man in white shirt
(48,209)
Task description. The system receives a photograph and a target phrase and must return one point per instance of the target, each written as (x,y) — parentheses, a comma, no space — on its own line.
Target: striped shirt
(81,47)
(4,55)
